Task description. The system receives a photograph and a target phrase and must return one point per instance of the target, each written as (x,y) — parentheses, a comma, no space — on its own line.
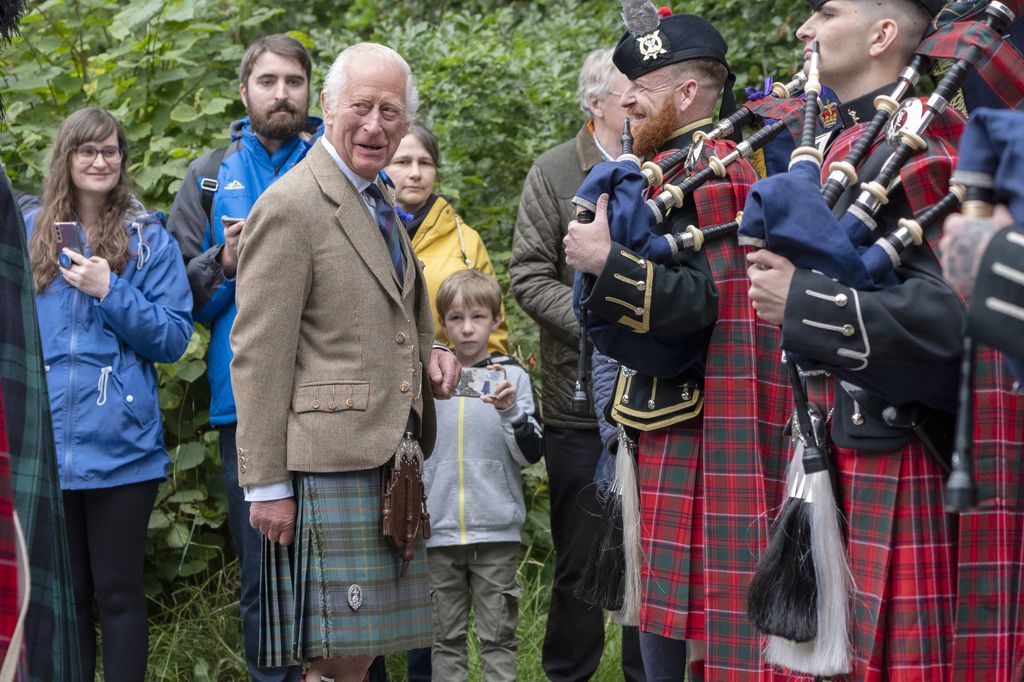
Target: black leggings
(107,544)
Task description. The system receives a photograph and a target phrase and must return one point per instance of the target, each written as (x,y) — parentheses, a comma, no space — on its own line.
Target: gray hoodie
(474,490)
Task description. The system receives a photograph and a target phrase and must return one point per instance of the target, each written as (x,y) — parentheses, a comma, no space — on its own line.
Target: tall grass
(196,635)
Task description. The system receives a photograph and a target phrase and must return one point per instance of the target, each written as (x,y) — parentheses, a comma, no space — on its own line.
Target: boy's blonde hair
(475,288)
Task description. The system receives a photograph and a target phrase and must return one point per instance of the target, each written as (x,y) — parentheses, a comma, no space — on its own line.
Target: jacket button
(404,387)
(129,398)
(46,367)
(640,286)
(841,300)
(242,468)
(400,338)
(857,418)
(332,405)
(350,403)
(316,405)
(848,330)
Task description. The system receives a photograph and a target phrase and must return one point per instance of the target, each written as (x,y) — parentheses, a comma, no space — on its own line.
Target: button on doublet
(841,300)
(848,330)
(401,338)
(404,387)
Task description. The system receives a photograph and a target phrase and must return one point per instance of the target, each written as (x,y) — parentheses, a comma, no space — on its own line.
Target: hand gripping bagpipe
(631,218)
(811,237)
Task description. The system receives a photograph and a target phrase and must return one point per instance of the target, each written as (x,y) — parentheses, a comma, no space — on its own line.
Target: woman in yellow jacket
(440,239)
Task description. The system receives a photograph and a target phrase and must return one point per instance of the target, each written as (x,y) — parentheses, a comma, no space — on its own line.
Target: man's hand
(444,371)
(88,275)
(587,245)
(963,244)
(275,519)
(228,256)
(770,276)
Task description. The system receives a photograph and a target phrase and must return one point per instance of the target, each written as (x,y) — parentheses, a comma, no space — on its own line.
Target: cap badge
(650,45)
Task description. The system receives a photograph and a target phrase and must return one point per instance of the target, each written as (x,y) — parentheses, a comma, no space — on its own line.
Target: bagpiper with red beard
(700,378)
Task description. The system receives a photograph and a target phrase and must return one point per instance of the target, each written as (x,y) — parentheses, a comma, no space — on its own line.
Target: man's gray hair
(597,77)
(369,53)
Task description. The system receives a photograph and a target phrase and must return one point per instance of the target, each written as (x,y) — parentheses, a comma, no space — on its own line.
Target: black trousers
(106,530)
(574,640)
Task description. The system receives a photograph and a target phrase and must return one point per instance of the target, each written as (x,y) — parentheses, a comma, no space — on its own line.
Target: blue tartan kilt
(336,590)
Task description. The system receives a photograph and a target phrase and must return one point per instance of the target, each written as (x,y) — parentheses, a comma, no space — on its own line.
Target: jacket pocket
(331,396)
(488,495)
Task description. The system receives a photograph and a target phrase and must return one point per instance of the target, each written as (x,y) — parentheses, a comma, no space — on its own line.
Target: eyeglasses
(87,153)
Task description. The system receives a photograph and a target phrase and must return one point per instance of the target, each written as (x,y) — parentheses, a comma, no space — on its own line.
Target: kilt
(901,548)
(336,591)
(989,612)
(671,532)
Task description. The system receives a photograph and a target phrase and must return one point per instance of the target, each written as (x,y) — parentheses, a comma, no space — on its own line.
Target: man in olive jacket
(542,283)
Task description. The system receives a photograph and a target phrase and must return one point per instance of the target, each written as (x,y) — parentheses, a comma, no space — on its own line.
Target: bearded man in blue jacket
(207,218)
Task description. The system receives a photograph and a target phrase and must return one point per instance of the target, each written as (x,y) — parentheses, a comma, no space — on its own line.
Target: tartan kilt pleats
(706,487)
(989,638)
(901,547)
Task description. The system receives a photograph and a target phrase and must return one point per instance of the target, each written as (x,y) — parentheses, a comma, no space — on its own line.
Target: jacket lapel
(355,220)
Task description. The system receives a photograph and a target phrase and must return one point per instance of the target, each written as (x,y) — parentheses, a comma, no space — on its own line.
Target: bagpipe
(800,592)
(637,222)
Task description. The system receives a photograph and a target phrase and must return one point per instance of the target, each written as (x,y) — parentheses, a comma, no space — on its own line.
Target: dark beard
(272,127)
(656,130)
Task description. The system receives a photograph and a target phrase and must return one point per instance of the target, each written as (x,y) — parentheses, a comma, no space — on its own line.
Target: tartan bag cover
(705,508)
(50,633)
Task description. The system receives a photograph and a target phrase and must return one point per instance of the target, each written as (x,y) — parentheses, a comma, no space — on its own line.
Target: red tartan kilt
(672,532)
(901,548)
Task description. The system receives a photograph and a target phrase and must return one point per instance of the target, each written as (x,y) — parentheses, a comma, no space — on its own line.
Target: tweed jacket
(330,353)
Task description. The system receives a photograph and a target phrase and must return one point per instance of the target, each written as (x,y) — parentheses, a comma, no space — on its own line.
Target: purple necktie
(386,222)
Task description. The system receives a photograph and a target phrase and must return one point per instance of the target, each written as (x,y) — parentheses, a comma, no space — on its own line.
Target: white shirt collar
(357,181)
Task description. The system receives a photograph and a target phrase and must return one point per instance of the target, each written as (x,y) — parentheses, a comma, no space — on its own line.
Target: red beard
(655,130)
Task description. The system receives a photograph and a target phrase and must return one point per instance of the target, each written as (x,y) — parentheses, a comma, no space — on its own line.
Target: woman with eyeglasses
(113,299)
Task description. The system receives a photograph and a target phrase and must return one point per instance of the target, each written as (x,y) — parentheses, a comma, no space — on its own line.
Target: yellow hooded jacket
(444,244)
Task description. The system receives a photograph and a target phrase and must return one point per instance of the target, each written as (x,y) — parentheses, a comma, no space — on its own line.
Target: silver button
(857,418)
(640,286)
(650,404)
(129,398)
(848,330)
(625,398)
(642,263)
(841,300)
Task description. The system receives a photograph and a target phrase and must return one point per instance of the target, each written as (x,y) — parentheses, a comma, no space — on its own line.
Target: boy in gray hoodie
(474,490)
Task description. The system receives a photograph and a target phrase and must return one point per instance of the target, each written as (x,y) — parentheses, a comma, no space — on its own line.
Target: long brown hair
(109,239)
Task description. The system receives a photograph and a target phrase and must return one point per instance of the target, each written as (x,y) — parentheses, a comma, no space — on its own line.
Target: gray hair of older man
(373,54)
(597,77)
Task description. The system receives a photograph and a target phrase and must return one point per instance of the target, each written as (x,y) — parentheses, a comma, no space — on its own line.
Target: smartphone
(479,381)
(67,237)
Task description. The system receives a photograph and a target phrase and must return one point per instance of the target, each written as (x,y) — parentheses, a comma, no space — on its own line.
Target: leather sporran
(404,500)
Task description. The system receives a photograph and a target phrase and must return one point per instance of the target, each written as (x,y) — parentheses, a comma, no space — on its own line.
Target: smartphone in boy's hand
(479,381)
(67,238)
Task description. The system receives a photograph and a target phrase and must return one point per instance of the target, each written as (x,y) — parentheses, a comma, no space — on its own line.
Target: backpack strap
(209,184)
